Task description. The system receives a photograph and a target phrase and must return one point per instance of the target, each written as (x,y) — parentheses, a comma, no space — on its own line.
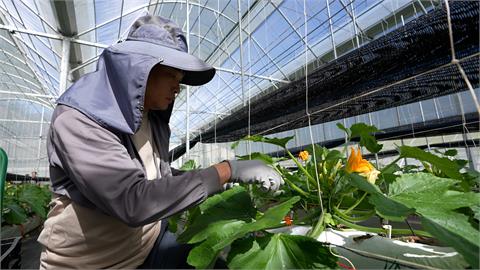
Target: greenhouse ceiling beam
(40,40)
(18,68)
(293,28)
(21,86)
(354,20)
(27,94)
(24,121)
(37,100)
(9,56)
(223,50)
(202,111)
(232,31)
(148,6)
(217,45)
(27,100)
(25,80)
(33,49)
(27,61)
(13,81)
(12,30)
(251,75)
(84,64)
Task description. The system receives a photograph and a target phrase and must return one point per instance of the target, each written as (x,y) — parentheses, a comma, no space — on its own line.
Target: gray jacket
(92,157)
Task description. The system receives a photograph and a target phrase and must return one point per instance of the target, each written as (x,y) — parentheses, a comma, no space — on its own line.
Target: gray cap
(163,39)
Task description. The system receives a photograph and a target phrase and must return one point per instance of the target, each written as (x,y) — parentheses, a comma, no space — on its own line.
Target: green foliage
(282,142)
(432,198)
(224,218)
(439,192)
(260,156)
(24,200)
(446,166)
(189,165)
(280,251)
(363,131)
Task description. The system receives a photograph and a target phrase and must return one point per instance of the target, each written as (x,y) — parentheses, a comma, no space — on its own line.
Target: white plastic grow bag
(377,252)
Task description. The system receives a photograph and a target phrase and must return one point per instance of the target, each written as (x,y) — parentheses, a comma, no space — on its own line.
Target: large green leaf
(468,250)
(218,236)
(385,207)
(35,198)
(280,251)
(14,213)
(221,233)
(363,131)
(431,198)
(282,142)
(260,156)
(346,130)
(448,167)
(273,216)
(233,204)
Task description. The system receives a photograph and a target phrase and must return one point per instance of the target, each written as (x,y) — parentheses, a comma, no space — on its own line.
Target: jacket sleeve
(101,168)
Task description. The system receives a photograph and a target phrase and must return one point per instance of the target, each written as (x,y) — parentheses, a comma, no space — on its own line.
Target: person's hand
(255,171)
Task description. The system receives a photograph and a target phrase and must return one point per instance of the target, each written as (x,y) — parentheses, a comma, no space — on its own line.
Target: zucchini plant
(330,189)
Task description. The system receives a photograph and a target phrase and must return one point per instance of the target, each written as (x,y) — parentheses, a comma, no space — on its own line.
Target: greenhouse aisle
(31,250)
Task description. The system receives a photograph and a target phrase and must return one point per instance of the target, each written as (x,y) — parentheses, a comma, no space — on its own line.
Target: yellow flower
(303,155)
(361,166)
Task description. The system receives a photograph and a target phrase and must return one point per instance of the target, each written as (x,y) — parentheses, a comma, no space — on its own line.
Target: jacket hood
(113,95)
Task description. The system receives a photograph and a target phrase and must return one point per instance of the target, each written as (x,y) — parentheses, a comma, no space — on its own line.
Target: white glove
(255,171)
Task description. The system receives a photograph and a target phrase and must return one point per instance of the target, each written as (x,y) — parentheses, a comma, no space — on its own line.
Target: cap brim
(197,72)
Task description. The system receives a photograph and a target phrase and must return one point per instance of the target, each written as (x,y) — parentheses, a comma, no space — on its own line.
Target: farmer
(108,152)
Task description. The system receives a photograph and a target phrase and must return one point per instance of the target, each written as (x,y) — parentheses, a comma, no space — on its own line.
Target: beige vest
(77,237)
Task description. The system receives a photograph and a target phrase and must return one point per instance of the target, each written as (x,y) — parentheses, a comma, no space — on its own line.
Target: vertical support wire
(218,85)
(187,94)
(249,80)
(455,60)
(241,50)
(307,112)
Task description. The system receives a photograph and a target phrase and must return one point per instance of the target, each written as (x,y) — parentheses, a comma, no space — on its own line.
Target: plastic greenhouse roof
(265,54)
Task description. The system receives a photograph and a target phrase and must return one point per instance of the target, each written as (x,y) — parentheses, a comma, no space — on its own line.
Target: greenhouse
(240,134)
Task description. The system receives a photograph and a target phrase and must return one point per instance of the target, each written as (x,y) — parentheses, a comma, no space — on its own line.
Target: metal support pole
(241,50)
(423,120)
(39,149)
(464,135)
(354,21)
(64,65)
(398,124)
(187,101)
(371,123)
(331,30)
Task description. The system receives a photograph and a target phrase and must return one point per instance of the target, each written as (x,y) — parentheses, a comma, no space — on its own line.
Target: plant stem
(379,230)
(309,216)
(391,164)
(353,219)
(356,203)
(296,188)
(319,227)
(309,177)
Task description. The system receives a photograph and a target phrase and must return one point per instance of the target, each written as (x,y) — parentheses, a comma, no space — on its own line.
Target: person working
(108,154)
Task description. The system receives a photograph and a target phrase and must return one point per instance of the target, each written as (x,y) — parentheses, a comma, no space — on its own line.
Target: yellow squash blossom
(361,166)
(303,155)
